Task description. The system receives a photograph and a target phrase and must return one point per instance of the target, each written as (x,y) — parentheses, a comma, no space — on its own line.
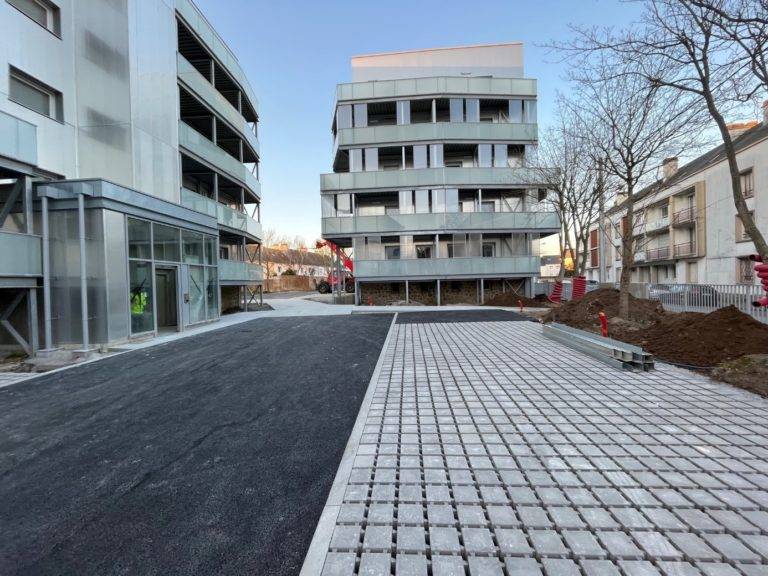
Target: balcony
(640,256)
(234,272)
(203,89)
(684,217)
(18,139)
(661,253)
(200,146)
(225,216)
(202,28)
(438,131)
(685,249)
(433,178)
(660,225)
(547,222)
(425,268)
(20,256)
(503,87)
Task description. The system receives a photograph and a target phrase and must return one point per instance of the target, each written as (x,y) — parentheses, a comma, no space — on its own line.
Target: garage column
(482,290)
(438,293)
(83,271)
(407,292)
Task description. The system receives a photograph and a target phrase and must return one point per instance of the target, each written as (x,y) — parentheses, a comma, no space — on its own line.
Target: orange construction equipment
(761,269)
(327,285)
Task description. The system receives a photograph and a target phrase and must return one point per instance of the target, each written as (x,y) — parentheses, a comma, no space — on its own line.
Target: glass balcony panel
(235,271)
(437,267)
(20,255)
(521,87)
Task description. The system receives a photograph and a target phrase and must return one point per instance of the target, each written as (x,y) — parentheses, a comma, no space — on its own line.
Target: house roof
(714,156)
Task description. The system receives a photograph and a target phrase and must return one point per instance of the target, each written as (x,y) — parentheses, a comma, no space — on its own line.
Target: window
(167,244)
(424,251)
(452,200)
(406,201)
(489,248)
(139,244)
(420,156)
(44,13)
(747,183)
(32,94)
(356,160)
(361,115)
(435,155)
(516,111)
(140,297)
(484,154)
(456,109)
(745,271)
(665,211)
(392,252)
(741,233)
(422,201)
(438,200)
(371,159)
(403,112)
(529,111)
(488,206)
(344,117)
(193,248)
(500,155)
(473,110)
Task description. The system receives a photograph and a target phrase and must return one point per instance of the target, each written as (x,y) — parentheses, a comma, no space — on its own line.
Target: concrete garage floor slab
(484,449)
(212,454)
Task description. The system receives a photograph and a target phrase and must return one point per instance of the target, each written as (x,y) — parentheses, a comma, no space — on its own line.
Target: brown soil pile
(513,300)
(584,313)
(700,339)
(690,338)
(750,372)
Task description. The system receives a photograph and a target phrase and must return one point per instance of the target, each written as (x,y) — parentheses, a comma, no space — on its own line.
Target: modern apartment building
(685,228)
(435,185)
(129,172)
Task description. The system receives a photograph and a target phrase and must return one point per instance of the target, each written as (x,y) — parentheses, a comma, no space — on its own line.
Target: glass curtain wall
(152,243)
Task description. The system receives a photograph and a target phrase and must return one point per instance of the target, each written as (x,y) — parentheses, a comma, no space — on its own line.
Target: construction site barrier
(579,288)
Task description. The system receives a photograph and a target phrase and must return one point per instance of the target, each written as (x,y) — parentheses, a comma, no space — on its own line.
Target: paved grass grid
(213,454)
(491,451)
(439,317)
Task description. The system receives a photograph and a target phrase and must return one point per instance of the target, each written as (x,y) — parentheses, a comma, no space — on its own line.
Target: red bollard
(520,303)
(603,324)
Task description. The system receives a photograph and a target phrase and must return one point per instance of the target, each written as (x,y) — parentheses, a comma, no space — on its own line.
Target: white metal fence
(708,297)
(686,297)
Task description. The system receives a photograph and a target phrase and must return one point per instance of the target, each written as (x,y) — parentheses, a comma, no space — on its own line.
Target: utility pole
(601,221)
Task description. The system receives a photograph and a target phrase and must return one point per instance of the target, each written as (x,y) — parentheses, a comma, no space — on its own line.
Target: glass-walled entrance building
(173,276)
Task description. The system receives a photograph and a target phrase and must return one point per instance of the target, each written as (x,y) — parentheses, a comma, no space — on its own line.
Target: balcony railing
(204,90)
(685,249)
(237,220)
(439,131)
(684,216)
(475,221)
(661,253)
(18,139)
(199,145)
(20,255)
(434,177)
(231,271)
(213,41)
(225,216)
(640,256)
(488,86)
(657,225)
(448,267)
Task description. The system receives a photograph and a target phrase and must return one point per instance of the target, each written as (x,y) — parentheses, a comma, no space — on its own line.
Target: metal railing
(709,297)
(657,225)
(685,249)
(661,253)
(684,216)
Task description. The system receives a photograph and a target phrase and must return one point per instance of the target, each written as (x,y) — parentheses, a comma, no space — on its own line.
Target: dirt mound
(750,372)
(511,299)
(584,313)
(701,339)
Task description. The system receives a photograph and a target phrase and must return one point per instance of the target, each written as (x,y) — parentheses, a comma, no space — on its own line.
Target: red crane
(326,286)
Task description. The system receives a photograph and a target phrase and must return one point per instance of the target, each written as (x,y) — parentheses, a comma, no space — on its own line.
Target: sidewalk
(484,449)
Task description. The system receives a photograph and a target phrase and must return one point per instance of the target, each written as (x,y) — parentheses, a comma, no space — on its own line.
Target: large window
(167,244)
(141,297)
(139,239)
(193,247)
(196,294)
(747,183)
(41,11)
(32,94)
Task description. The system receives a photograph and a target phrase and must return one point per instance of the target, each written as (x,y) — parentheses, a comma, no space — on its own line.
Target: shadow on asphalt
(213,454)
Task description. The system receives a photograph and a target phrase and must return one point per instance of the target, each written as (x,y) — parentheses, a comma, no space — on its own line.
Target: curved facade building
(435,185)
(129,172)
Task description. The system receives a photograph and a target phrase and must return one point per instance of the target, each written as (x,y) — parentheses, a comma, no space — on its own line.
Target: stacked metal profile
(608,350)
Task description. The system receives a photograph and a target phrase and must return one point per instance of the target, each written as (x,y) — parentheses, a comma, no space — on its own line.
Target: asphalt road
(210,455)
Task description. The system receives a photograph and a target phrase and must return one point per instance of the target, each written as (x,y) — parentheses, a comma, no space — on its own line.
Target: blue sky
(295,52)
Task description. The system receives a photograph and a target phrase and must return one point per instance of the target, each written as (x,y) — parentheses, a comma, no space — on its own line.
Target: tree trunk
(627,256)
(738,197)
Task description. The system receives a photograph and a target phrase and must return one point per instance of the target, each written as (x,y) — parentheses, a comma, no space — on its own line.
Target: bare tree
(571,174)
(711,50)
(632,125)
